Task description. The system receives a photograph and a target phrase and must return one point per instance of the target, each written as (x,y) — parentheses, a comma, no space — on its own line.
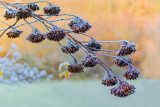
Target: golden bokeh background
(133,20)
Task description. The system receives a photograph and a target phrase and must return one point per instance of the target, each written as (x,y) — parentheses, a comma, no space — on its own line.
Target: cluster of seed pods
(78,26)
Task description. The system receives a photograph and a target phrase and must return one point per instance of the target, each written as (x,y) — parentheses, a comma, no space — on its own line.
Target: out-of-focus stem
(4,22)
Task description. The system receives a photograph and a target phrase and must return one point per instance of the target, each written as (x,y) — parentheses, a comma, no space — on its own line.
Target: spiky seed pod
(109,80)
(55,34)
(9,14)
(122,61)
(14,33)
(89,61)
(93,45)
(23,12)
(131,73)
(70,47)
(79,25)
(51,10)
(126,48)
(76,68)
(123,89)
(36,36)
(33,6)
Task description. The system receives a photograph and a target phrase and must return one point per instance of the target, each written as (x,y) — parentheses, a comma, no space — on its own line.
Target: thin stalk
(105,41)
(105,55)
(41,19)
(108,69)
(59,15)
(61,19)
(79,33)
(101,50)
(4,22)
(8,54)
(9,27)
(47,27)
(29,24)
(25,23)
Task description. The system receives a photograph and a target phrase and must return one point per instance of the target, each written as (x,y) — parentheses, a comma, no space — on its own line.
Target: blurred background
(132,20)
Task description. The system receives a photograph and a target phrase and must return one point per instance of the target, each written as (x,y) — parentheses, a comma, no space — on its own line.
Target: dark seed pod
(126,48)
(55,34)
(122,61)
(70,47)
(123,89)
(36,36)
(14,33)
(109,80)
(9,14)
(131,73)
(79,25)
(93,45)
(33,6)
(23,12)
(90,61)
(52,10)
(76,68)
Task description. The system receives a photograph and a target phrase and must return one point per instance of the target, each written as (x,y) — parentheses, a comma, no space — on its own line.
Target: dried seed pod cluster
(89,61)
(23,12)
(33,6)
(36,36)
(126,48)
(131,73)
(93,45)
(76,68)
(55,34)
(70,47)
(52,10)
(123,90)
(79,25)
(9,14)
(14,33)
(109,80)
(122,61)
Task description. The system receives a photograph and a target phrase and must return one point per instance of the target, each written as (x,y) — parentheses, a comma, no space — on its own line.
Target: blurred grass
(86,93)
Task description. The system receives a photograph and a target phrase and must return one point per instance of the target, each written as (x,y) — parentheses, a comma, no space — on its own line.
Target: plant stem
(8,28)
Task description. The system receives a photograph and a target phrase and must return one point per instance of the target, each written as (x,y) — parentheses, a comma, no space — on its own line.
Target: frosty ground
(77,93)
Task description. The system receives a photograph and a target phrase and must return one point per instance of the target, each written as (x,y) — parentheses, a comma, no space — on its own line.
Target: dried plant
(11,71)
(78,26)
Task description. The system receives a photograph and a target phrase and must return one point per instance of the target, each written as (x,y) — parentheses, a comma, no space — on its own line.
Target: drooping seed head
(9,14)
(122,61)
(131,73)
(126,48)
(70,47)
(123,90)
(109,80)
(14,33)
(36,36)
(33,6)
(79,25)
(52,10)
(23,12)
(55,34)
(89,61)
(93,45)
(75,68)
